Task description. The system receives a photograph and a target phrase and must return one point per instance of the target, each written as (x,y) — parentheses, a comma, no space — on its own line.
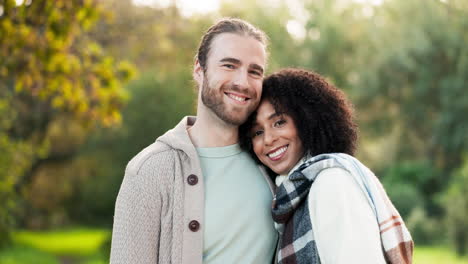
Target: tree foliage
(50,70)
(157,104)
(162,45)
(414,76)
(456,204)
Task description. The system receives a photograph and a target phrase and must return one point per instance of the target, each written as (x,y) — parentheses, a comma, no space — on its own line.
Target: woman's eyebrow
(275,114)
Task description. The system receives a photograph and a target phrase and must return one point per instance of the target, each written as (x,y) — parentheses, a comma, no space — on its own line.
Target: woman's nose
(270,138)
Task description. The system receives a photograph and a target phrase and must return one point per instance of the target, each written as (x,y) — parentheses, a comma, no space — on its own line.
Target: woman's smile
(277,153)
(275,139)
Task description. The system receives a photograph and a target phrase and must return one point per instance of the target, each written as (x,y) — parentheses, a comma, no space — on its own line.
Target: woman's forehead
(267,111)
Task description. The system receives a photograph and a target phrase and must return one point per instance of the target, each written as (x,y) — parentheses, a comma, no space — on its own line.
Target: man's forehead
(233,35)
(245,48)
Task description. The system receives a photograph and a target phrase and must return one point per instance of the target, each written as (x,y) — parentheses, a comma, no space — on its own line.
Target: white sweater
(345,227)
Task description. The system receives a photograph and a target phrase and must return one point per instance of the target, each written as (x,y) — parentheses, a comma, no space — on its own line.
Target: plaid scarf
(291,213)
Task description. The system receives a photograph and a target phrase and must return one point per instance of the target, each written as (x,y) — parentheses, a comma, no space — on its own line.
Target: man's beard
(213,99)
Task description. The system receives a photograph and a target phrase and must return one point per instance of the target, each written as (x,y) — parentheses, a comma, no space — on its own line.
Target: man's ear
(198,72)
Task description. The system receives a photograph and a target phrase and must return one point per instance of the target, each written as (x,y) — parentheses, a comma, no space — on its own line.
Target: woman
(329,208)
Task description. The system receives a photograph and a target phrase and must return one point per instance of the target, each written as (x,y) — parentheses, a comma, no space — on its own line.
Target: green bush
(425,230)
(405,197)
(456,205)
(413,184)
(410,186)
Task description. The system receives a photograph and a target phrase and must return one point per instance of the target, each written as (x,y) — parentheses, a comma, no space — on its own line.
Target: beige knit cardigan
(155,203)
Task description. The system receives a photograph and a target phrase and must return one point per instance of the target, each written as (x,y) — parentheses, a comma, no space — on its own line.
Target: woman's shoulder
(333,177)
(335,185)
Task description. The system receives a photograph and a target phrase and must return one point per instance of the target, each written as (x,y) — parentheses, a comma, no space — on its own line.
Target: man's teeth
(278,152)
(238,98)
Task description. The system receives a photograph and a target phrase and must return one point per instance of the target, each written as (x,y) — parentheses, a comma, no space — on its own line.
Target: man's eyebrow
(231,60)
(237,62)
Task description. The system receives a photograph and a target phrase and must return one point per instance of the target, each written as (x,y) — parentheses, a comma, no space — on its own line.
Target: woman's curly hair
(322,115)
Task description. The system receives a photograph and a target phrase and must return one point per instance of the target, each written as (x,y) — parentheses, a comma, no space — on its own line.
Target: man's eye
(229,66)
(256,73)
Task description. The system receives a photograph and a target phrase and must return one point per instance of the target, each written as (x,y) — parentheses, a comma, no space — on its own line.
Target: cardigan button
(194,225)
(192,179)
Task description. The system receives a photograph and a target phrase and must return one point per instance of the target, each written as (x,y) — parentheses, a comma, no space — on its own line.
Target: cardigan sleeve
(138,210)
(344,225)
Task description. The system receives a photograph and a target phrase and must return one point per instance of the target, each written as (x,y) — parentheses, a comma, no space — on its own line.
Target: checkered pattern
(291,213)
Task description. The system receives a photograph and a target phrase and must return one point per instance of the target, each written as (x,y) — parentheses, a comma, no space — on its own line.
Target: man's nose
(241,79)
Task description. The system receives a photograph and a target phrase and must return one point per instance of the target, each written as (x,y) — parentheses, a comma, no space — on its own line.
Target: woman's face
(275,140)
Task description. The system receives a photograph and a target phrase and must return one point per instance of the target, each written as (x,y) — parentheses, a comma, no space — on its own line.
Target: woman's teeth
(277,153)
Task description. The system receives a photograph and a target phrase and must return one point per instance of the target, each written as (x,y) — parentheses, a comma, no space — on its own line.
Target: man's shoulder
(158,154)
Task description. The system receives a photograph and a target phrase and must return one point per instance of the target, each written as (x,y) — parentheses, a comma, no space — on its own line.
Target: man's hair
(322,115)
(227,25)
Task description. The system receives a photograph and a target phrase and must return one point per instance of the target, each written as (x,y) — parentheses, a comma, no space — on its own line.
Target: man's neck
(210,131)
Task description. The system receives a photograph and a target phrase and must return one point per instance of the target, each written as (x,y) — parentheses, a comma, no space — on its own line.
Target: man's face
(231,84)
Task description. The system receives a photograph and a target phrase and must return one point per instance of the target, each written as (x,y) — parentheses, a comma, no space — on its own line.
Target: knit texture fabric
(155,204)
(291,213)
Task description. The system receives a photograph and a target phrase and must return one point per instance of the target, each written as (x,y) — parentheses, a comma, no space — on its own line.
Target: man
(193,196)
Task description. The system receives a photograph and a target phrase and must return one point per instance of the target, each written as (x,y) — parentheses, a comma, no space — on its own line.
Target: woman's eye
(280,122)
(257,133)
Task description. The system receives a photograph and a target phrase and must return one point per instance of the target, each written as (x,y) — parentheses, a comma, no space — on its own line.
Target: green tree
(157,104)
(412,83)
(152,38)
(456,204)
(49,71)
(282,47)
(162,44)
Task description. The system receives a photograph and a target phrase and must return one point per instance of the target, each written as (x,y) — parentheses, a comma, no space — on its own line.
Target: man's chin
(234,116)
(236,120)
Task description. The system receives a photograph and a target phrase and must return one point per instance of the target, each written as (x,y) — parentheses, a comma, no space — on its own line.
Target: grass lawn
(26,255)
(75,242)
(73,246)
(437,255)
(84,246)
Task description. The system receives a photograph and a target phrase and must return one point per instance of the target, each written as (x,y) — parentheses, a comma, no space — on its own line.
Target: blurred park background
(86,84)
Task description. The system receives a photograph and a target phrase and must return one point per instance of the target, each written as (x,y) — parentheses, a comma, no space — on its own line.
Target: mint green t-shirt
(238,223)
